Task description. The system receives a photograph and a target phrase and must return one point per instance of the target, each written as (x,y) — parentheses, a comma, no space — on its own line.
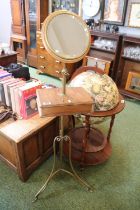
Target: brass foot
(36,198)
(90,189)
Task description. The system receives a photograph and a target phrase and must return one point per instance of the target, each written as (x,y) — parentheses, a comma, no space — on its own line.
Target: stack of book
(19,95)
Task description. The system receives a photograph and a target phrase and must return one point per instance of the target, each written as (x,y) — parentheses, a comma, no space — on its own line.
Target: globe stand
(61,139)
(90,146)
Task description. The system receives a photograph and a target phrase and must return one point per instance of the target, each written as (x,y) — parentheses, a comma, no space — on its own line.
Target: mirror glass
(32,22)
(66,36)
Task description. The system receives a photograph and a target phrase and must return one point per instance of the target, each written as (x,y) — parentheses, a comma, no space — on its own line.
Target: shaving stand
(61,138)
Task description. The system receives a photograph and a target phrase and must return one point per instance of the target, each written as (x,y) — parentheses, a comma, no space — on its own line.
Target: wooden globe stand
(89,145)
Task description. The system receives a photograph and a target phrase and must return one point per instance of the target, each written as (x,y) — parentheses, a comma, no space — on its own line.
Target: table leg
(110,128)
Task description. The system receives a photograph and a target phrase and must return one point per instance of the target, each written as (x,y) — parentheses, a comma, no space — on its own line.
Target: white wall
(5,21)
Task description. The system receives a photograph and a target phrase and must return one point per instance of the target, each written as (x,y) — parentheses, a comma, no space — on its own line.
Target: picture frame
(133,82)
(72,6)
(104,65)
(134,17)
(114,11)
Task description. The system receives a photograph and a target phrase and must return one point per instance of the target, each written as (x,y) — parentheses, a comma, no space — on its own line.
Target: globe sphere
(101,87)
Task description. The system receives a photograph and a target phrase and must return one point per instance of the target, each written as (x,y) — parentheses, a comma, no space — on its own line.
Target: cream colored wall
(5,21)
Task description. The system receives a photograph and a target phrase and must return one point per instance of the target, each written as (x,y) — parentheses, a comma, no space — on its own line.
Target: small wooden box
(51,102)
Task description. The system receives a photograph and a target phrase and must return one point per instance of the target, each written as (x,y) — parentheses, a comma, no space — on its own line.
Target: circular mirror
(66,36)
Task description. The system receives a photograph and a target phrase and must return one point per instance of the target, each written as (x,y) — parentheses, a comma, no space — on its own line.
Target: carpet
(116,182)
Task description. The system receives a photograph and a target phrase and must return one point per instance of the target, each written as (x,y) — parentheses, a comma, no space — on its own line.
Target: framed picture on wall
(133,82)
(134,15)
(114,11)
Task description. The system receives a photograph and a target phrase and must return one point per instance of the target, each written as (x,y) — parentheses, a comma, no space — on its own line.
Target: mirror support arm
(64,73)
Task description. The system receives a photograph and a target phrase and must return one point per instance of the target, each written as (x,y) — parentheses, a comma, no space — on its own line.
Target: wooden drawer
(50,68)
(41,49)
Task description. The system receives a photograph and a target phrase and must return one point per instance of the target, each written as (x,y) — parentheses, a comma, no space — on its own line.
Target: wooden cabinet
(18,37)
(106,46)
(47,64)
(35,11)
(18,21)
(6,59)
(129,66)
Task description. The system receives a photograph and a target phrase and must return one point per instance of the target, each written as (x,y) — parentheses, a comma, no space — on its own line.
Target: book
(2,96)
(4,74)
(12,94)
(27,93)
(12,81)
(30,106)
(16,101)
(17,96)
(2,91)
(9,86)
(51,102)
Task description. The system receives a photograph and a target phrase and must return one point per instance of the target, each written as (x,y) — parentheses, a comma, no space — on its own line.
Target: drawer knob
(42,67)
(42,57)
(58,72)
(57,61)
(42,47)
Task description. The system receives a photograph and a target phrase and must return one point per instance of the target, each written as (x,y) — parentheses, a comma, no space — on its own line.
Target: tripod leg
(52,171)
(81,181)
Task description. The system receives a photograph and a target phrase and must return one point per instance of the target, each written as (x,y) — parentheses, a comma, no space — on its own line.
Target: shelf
(129,94)
(133,39)
(101,49)
(105,34)
(130,59)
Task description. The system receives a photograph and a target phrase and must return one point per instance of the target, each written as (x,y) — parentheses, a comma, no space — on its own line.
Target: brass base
(60,139)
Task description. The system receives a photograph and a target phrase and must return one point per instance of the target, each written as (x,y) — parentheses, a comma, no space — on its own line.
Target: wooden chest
(25,144)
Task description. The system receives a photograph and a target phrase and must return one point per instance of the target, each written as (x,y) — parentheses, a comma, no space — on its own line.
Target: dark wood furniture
(6,59)
(89,145)
(25,144)
(130,61)
(18,36)
(35,12)
(19,44)
(49,65)
(105,52)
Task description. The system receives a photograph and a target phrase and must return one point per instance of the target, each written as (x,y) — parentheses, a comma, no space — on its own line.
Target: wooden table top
(20,129)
